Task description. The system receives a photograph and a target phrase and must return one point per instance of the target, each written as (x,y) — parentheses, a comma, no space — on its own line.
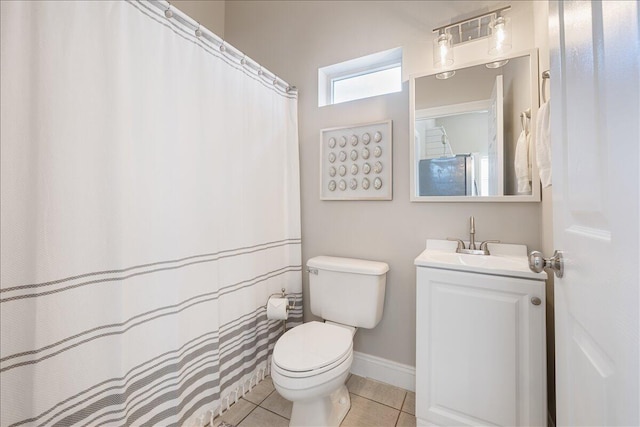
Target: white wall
(541,25)
(467,133)
(209,13)
(294,39)
(468,85)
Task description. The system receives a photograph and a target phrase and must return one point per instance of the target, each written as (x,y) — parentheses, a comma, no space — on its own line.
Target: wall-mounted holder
(355,162)
(291,305)
(286,303)
(546,75)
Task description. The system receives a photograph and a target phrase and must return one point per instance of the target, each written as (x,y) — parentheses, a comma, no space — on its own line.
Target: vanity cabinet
(480,348)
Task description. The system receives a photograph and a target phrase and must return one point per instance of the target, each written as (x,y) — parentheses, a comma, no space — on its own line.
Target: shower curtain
(149,207)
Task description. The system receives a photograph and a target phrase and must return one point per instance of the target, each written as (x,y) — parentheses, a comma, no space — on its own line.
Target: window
(371,75)
(365,85)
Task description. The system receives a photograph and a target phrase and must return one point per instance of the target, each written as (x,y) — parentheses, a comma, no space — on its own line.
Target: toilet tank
(347,290)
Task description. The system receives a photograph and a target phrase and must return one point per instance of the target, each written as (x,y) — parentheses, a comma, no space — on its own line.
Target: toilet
(311,362)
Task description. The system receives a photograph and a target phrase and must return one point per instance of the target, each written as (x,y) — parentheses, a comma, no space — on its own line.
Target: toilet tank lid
(348,265)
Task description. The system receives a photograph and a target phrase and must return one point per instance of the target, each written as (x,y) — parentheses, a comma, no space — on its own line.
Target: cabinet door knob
(536,301)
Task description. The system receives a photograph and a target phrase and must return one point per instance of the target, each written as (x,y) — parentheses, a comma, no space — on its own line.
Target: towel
(522,164)
(543,144)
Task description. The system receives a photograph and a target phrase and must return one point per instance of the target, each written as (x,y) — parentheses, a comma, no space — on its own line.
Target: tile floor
(373,404)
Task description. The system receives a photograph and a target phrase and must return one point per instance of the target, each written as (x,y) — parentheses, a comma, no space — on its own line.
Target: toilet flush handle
(312,271)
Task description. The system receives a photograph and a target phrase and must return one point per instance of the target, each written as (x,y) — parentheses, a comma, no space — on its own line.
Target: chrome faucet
(472,233)
(472,249)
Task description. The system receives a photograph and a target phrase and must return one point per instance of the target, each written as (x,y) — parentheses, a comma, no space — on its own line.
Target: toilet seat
(311,349)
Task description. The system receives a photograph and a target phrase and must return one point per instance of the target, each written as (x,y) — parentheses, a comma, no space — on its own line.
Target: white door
(595,136)
(496,137)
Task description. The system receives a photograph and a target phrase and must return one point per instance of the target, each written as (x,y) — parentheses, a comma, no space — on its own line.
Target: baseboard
(384,370)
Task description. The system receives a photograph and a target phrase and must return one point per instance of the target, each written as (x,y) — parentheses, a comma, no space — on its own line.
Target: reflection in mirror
(469,167)
(467,128)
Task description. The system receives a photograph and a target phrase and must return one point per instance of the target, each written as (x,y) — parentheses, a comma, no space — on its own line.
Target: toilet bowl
(309,367)
(311,362)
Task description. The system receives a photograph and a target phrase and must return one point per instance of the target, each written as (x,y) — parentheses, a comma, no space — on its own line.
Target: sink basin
(486,261)
(505,260)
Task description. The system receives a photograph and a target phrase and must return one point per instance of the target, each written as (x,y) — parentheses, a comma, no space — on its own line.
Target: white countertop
(505,259)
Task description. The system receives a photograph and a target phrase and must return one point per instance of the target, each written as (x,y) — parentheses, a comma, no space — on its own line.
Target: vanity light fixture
(443,50)
(492,25)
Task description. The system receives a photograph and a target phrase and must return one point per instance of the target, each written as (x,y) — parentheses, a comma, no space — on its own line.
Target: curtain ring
(198,31)
(222,47)
(168,13)
(260,71)
(243,61)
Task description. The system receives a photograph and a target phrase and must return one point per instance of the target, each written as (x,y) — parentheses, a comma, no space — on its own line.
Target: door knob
(537,263)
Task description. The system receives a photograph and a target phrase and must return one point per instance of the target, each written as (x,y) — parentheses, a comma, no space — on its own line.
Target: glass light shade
(445,75)
(442,51)
(500,38)
(497,64)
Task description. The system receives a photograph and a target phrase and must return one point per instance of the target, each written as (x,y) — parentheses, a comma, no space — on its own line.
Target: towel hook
(525,116)
(546,75)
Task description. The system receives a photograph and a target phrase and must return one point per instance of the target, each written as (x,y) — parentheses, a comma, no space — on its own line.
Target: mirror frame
(535,195)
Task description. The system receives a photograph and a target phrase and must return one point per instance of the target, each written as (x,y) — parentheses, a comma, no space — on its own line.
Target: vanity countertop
(505,260)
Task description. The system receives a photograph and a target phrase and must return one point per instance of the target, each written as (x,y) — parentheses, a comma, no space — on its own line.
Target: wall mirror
(465,131)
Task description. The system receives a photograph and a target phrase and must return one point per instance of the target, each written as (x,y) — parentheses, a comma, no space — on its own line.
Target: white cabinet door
(480,350)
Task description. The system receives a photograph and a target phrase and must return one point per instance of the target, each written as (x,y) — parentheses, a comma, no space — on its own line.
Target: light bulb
(500,30)
(500,39)
(442,51)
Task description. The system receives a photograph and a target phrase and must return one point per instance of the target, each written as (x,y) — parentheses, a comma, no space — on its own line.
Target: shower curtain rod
(172,12)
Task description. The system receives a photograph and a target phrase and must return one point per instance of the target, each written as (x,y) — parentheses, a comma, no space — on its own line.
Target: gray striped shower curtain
(149,207)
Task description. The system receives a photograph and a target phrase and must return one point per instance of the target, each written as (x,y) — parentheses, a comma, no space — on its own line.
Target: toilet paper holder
(284,294)
(291,304)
